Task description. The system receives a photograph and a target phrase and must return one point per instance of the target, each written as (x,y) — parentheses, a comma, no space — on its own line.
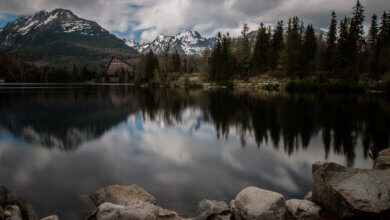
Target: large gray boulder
(209,209)
(121,195)
(348,192)
(136,211)
(303,209)
(383,160)
(256,203)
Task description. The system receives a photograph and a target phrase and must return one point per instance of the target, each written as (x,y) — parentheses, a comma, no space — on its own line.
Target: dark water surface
(60,143)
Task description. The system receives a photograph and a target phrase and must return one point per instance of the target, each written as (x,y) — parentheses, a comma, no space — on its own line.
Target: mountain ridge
(187,42)
(60,36)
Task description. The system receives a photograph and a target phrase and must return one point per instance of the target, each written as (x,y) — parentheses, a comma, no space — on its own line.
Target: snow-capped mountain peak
(59,32)
(61,20)
(187,42)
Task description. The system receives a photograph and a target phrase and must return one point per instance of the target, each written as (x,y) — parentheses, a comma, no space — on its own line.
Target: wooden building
(116,66)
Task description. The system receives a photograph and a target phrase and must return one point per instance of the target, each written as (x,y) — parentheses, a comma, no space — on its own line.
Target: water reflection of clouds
(178,164)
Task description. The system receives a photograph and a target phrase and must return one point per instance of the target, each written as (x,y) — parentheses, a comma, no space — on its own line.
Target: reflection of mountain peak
(62,121)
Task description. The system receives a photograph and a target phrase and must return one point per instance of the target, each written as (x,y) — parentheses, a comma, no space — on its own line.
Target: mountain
(187,42)
(60,37)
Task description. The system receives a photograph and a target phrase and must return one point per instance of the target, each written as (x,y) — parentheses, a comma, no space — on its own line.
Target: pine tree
(227,67)
(215,59)
(373,46)
(343,53)
(277,45)
(373,32)
(261,50)
(309,51)
(356,33)
(245,51)
(356,27)
(331,41)
(292,61)
(205,60)
(176,62)
(384,43)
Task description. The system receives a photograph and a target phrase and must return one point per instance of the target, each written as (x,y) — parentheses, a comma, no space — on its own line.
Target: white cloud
(207,16)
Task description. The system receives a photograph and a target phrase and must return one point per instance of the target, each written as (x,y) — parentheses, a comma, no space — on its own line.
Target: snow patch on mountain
(50,18)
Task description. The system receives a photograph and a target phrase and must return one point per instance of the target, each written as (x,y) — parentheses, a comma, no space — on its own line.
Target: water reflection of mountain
(290,121)
(63,117)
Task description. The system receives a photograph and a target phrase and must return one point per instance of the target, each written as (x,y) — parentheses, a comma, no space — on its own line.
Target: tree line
(297,52)
(12,69)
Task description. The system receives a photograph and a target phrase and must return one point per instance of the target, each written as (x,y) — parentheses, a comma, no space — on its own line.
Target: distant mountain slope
(187,42)
(60,37)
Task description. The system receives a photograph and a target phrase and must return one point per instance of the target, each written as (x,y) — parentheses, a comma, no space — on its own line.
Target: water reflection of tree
(288,121)
(293,120)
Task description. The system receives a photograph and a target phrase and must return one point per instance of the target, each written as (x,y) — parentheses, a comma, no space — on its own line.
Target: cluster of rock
(338,193)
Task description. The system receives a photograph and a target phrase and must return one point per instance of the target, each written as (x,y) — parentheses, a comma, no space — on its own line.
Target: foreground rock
(216,210)
(136,211)
(302,210)
(349,192)
(121,195)
(1,213)
(12,212)
(7,199)
(256,203)
(51,217)
(383,160)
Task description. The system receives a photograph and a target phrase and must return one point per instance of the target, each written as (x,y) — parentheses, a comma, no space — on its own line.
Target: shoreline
(338,192)
(272,85)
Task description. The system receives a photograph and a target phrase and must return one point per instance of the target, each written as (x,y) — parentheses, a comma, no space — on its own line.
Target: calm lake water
(61,143)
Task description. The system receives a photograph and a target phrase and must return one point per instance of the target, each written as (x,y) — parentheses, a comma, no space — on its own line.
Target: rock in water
(121,195)
(209,209)
(136,211)
(12,212)
(7,198)
(1,213)
(256,203)
(383,160)
(303,209)
(348,192)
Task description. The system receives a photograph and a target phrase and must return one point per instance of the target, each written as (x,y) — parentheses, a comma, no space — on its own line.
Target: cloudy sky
(142,20)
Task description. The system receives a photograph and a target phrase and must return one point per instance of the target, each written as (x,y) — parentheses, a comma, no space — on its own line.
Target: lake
(59,143)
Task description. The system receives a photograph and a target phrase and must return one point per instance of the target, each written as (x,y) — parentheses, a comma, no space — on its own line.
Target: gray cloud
(207,16)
